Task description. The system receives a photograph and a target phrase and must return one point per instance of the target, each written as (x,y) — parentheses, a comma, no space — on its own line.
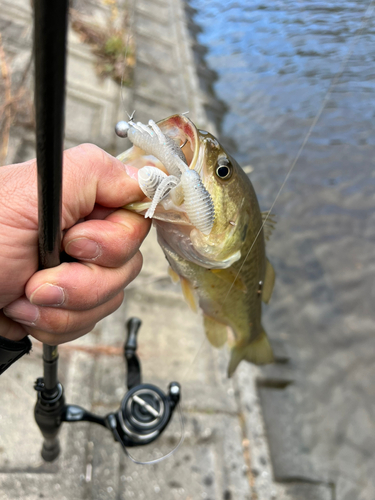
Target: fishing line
(130,24)
(332,84)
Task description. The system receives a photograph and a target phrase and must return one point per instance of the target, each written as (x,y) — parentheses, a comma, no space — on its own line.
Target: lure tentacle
(161,192)
(149,179)
(159,145)
(157,131)
(145,128)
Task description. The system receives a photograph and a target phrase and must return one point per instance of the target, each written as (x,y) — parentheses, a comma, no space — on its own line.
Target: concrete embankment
(225,453)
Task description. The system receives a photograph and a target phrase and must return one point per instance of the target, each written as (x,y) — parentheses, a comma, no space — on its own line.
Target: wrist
(11,351)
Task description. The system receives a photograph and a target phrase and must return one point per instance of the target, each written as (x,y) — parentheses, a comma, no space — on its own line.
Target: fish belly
(234,308)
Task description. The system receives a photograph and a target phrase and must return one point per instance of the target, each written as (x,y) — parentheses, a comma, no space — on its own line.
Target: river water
(275,62)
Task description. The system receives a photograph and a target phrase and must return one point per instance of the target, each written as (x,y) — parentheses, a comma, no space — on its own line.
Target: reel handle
(134,375)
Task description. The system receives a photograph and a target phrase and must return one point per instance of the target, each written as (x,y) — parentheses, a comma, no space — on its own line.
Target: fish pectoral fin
(174,276)
(269,281)
(231,277)
(269,223)
(259,352)
(189,294)
(216,332)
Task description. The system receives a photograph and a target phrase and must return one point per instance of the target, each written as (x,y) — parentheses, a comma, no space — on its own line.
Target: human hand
(62,303)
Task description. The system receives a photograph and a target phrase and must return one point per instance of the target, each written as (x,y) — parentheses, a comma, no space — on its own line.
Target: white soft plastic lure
(149,179)
(184,184)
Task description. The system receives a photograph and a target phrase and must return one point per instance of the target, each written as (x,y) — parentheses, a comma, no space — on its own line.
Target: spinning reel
(144,413)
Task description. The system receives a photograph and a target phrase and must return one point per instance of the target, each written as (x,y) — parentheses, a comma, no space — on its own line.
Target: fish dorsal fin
(216,332)
(269,281)
(189,294)
(229,275)
(269,221)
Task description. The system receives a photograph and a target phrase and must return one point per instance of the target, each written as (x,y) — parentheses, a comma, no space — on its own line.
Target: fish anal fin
(173,275)
(231,277)
(259,352)
(216,332)
(269,281)
(269,223)
(189,294)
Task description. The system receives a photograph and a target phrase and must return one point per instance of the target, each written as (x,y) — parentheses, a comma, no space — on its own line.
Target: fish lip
(171,216)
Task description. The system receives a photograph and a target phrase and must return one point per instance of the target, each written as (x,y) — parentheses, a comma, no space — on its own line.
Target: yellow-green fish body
(226,272)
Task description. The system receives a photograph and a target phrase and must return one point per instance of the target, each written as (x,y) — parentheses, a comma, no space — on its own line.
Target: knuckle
(119,299)
(89,149)
(60,322)
(135,265)
(115,303)
(131,232)
(95,157)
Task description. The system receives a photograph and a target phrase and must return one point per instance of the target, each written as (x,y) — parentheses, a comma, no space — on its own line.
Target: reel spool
(145,412)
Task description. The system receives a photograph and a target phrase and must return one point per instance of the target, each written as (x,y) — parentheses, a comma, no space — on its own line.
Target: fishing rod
(145,410)
(50,35)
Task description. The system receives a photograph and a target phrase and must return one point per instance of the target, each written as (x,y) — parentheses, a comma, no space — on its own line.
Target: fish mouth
(181,130)
(184,133)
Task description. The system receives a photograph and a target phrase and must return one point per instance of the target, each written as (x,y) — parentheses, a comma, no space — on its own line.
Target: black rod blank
(50,62)
(50,36)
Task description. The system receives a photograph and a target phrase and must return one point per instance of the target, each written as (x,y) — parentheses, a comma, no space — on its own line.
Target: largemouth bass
(215,247)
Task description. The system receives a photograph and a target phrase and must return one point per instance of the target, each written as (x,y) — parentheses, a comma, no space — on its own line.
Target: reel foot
(50,449)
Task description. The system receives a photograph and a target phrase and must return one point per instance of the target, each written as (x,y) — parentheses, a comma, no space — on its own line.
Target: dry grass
(111,42)
(16,104)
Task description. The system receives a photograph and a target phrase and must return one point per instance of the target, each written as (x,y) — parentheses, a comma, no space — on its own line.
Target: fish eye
(224,169)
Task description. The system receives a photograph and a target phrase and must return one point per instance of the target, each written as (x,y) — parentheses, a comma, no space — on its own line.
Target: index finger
(92,176)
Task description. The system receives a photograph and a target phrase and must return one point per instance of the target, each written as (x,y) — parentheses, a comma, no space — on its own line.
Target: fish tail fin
(259,352)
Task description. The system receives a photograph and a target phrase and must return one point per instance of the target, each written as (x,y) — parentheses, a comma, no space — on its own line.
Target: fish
(221,264)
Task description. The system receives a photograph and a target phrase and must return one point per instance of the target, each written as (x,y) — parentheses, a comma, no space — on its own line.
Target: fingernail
(131,171)
(83,248)
(22,311)
(48,295)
